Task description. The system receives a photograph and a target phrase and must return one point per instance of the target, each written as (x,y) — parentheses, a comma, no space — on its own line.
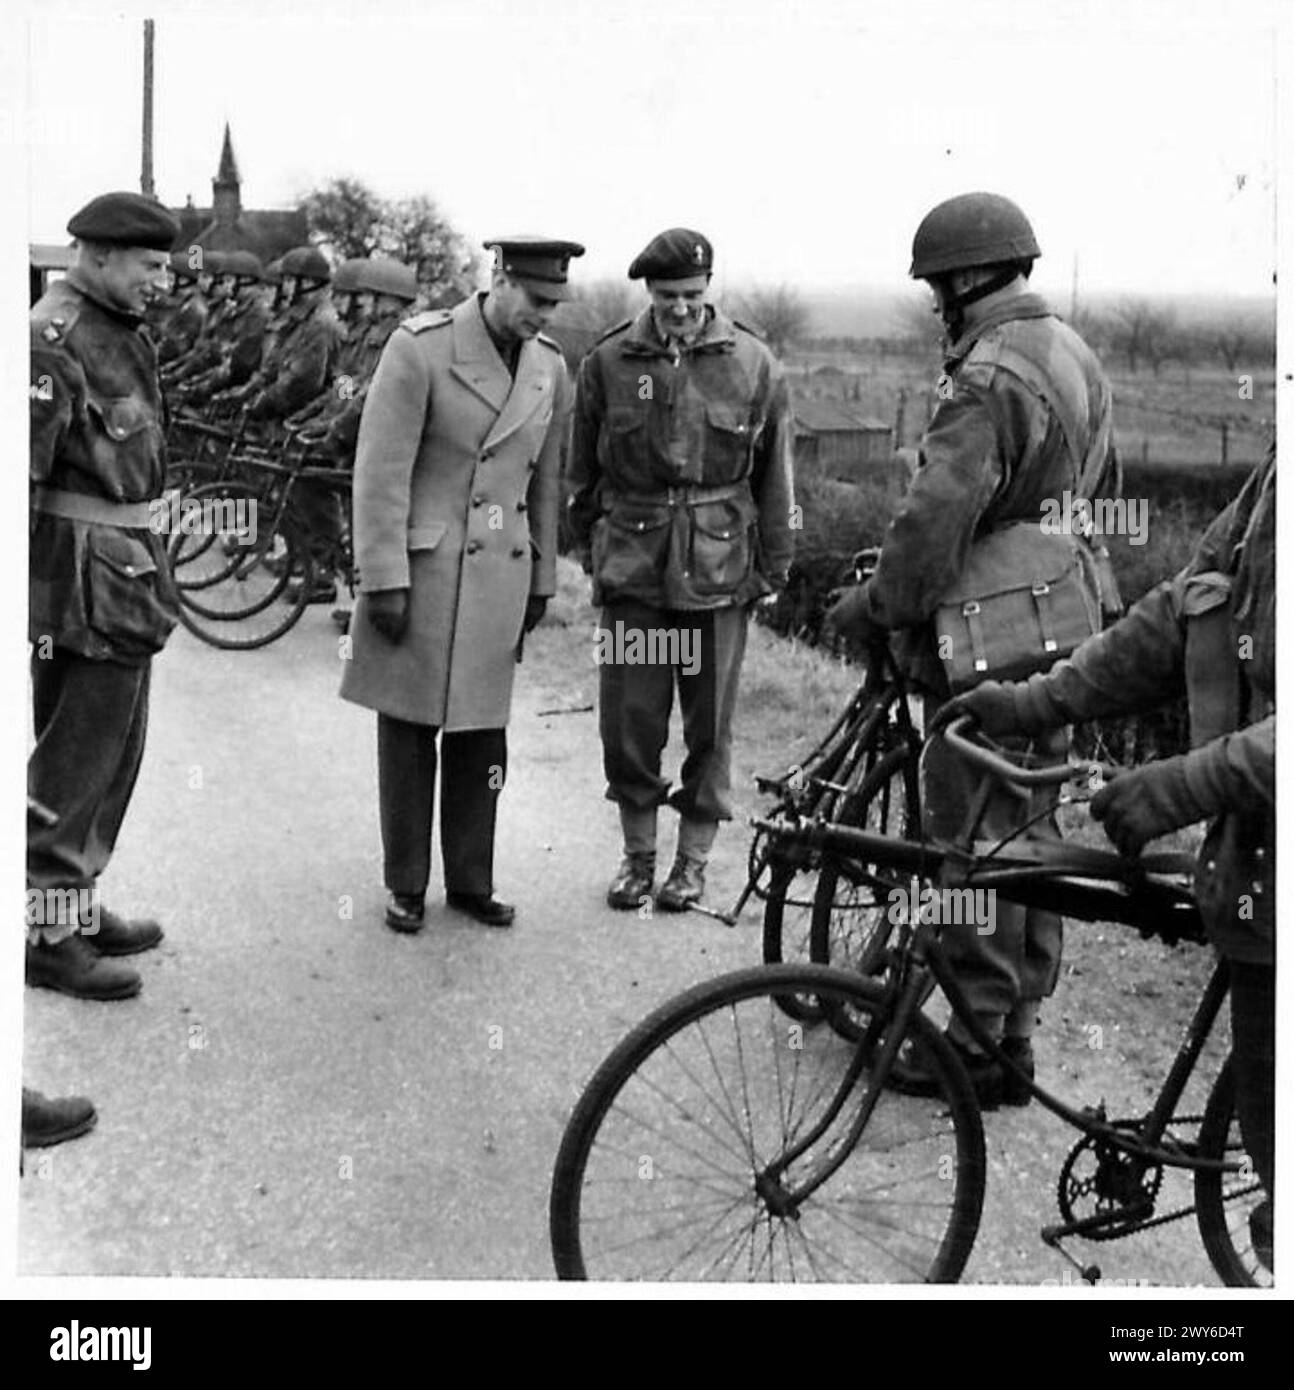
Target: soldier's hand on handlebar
(1002,707)
(1146,802)
(388,611)
(850,616)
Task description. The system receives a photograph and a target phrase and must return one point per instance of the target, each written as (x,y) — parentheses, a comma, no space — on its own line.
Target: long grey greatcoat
(457,488)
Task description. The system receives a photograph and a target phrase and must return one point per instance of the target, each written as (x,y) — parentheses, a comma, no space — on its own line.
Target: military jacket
(182,327)
(1022,403)
(1212,631)
(103,591)
(298,364)
(681,476)
(354,375)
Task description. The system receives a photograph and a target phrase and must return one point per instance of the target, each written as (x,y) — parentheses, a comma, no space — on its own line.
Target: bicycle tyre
(852,921)
(615,1169)
(1221,1208)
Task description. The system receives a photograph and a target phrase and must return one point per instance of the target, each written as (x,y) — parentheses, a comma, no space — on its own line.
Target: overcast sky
(807,140)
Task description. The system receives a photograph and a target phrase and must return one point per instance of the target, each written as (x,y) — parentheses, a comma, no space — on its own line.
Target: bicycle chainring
(1098,1179)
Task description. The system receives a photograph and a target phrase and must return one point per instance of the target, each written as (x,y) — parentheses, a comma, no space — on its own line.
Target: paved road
(299,1091)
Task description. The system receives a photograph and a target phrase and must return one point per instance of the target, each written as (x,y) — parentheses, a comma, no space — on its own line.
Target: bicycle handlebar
(989,761)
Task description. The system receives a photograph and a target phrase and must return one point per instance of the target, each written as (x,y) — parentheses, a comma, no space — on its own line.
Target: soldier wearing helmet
(1024,412)
(298,364)
(241,336)
(384,291)
(178,330)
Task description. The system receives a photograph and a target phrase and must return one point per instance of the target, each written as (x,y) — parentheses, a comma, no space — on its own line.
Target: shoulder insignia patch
(619,328)
(432,318)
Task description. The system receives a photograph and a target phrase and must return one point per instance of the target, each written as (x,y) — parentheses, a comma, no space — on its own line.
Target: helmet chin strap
(953,313)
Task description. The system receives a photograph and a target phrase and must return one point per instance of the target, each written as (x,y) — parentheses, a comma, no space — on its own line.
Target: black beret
(676,254)
(125,219)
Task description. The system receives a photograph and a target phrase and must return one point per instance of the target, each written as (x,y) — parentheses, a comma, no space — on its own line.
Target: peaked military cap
(676,254)
(125,219)
(537,262)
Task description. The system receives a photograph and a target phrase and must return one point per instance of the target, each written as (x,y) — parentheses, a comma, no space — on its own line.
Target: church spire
(227,173)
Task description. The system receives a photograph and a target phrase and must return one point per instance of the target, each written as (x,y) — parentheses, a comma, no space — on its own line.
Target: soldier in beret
(457,495)
(682,506)
(101,598)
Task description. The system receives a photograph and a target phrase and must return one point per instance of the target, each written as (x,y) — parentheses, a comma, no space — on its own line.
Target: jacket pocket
(722,546)
(427,537)
(625,436)
(728,440)
(631,548)
(128,599)
(127,430)
(1210,661)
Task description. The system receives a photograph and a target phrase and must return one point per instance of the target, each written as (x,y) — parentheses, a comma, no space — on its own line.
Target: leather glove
(1004,707)
(1146,802)
(536,606)
(388,611)
(850,616)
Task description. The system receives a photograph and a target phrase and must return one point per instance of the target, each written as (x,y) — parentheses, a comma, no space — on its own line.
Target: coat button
(517,552)
(477,499)
(473,547)
(1211,865)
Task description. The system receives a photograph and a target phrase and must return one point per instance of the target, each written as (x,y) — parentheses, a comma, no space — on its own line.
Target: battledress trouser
(636,698)
(1017,961)
(90,719)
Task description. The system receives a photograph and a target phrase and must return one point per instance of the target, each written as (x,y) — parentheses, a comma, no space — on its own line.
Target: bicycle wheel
(1225,1201)
(239,594)
(853,917)
(788,915)
(682,1158)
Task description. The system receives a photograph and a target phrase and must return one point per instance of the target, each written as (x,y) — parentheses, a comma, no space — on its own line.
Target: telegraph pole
(146,165)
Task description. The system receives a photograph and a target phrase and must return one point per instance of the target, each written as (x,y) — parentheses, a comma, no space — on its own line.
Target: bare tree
(608,302)
(1143,331)
(347,219)
(780,313)
(917,324)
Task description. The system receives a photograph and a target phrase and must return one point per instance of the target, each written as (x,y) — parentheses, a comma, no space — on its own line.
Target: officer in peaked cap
(537,263)
(682,507)
(456,501)
(101,600)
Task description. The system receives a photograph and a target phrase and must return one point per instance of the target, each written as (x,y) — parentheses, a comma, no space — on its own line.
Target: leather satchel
(1024,600)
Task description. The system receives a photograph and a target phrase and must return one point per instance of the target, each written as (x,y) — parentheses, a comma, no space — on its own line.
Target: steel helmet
(180,266)
(385,276)
(346,280)
(972,229)
(306,263)
(244,265)
(273,273)
(213,262)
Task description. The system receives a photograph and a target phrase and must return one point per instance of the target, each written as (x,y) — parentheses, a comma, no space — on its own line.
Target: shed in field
(839,440)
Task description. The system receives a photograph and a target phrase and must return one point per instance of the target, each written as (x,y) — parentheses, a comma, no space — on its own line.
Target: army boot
(73,966)
(636,877)
(46,1122)
(686,882)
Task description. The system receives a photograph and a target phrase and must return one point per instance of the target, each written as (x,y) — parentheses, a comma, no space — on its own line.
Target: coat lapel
(476,364)
(531,389)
